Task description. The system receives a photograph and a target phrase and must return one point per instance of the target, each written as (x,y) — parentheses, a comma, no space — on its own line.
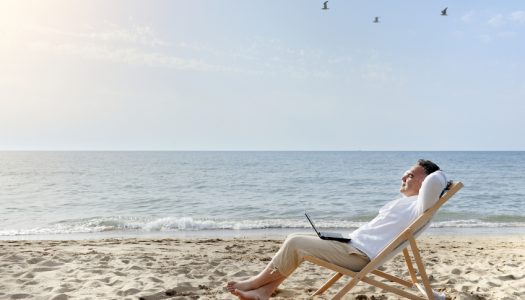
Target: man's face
(412,180)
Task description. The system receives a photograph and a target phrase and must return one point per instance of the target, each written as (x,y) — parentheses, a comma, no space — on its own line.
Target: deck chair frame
(404,241)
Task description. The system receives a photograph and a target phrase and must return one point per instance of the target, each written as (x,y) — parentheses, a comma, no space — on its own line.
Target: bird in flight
(376,20)
(325,5)
(444,12)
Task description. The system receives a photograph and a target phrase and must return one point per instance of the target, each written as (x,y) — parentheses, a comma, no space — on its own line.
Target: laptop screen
(312,223)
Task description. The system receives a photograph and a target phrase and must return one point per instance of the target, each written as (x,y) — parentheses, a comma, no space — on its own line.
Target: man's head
(413,178)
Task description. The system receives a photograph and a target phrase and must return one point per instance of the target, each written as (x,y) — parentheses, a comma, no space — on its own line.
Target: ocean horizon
(98,194)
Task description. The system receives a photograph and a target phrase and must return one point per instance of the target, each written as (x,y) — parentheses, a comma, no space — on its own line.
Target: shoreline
(464,267)
(274,233)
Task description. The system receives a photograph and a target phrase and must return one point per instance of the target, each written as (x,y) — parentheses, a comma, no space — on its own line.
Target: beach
(464,267)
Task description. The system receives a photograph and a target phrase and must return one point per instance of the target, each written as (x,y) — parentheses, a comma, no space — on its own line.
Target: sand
(465,267)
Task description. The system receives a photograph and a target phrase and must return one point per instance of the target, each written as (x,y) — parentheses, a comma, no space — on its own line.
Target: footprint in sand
(105,279)
(15,258)
(182,271)
(50,263)
(147,258)
(156,280)
(117,282)
(95,271)
(43,269)
(213,263)
(35,260)
(27,275)
(241,274)
(507,277)
(32,282)
(60,297)
(128,292)
(196,274)
(493,284)
(118,273)
(66,287)
(19,296)
(63,260)
(456,271)
(184,289)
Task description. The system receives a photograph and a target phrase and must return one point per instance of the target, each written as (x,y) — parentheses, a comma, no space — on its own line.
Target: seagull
(444,12)
(376,20)
(325,5)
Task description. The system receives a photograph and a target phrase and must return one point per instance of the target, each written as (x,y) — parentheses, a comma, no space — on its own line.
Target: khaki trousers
(298,245)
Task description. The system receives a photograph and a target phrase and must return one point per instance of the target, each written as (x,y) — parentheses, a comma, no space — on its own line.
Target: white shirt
(396,215)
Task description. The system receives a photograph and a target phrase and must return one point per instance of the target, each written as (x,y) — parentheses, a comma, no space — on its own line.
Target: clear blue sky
(262,75)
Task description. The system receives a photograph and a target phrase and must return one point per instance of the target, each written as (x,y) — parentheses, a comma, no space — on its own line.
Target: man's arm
(430,190)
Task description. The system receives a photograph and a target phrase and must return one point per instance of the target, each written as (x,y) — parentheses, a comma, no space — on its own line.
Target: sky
(262,75)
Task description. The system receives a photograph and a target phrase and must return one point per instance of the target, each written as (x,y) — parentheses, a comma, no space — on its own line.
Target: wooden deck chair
(402,242)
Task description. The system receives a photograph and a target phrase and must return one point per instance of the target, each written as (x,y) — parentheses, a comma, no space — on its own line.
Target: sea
(120,194)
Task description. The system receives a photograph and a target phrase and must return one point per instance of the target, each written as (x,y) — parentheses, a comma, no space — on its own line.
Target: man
(420,186)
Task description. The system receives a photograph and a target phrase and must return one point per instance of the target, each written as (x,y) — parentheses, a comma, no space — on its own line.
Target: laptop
(327,235)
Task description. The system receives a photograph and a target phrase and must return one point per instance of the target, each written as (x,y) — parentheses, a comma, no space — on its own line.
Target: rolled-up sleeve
(430,190)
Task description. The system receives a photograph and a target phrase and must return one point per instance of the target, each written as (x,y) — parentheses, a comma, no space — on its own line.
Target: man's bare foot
(262,293)
(247,295)
(244,285)
(257,287)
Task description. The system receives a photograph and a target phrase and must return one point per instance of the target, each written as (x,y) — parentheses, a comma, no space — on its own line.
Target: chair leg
(421,267)
(328,284)
(342,271)
(347,288)
(393,278)
(410,267)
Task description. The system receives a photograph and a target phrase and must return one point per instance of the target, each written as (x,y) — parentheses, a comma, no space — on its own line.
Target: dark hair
(429,166)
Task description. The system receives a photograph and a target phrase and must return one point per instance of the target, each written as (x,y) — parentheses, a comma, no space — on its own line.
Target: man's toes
(230,286)
(246,295)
